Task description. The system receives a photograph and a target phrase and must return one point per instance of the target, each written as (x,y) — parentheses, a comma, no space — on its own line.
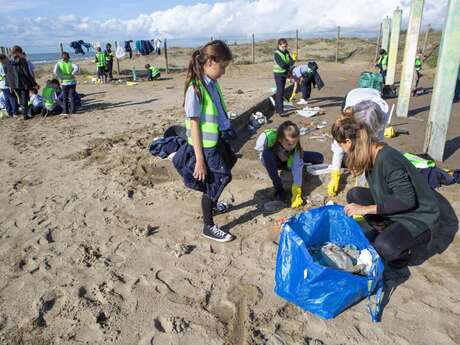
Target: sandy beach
(100,242)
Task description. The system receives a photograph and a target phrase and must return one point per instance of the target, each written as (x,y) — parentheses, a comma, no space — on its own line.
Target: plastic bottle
(134,74)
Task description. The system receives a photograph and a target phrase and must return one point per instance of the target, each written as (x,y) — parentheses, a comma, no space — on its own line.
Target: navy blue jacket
(219,162)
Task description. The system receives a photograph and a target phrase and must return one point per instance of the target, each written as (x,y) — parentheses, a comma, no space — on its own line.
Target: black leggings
(391,239)
(207,206)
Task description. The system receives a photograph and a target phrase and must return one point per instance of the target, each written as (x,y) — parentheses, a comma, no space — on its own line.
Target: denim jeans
(11,102)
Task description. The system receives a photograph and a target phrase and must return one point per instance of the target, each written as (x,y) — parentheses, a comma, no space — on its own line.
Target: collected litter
(131,83)
(232,115)
(309,111)
(257,120)
(305,130)
(347,258)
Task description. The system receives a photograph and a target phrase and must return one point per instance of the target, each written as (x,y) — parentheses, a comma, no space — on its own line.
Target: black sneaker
(216,234)
(221,207)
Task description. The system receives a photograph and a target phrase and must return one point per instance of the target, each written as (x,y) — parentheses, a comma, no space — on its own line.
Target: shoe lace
(218,232)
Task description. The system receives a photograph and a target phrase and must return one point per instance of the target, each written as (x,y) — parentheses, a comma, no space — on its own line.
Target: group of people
(398,203)
(104,63)
(20,90)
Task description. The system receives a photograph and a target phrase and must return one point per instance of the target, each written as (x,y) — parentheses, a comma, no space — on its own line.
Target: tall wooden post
(410,52)
(425,41)
(166,57)
(394,45)
(386,33)
(337,46)
(118,61)
(444,84)
(61,48)
(377,46)
(253,49)
(297,43)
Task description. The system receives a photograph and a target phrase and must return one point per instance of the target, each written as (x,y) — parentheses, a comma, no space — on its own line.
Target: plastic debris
(256,120)
(309,111)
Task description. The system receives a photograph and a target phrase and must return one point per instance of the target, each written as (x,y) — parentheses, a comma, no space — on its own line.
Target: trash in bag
(316,288)
(257,120)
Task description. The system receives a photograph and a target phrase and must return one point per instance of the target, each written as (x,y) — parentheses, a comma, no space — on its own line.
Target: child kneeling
(280,149)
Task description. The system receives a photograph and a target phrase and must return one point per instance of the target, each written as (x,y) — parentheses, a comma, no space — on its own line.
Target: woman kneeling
(399,204)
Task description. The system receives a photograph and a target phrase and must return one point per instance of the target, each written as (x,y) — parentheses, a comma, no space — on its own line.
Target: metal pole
(118,61)
(337,45)
(386,33)
(61,47)
(394,45)
(253,50)
(425,41)
(297,43)
(444,84)
(410,51)
(377,46)
(166,57)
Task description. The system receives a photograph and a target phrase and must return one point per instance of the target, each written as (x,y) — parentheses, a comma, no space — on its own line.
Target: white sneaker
(302,102)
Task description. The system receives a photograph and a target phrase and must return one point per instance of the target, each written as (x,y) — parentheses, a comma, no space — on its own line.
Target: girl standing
(206,161)
(399,204)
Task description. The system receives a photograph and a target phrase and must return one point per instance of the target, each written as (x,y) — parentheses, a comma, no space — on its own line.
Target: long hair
(359,159)
(217,51)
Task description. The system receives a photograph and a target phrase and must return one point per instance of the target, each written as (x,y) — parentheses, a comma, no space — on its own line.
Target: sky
(39,25)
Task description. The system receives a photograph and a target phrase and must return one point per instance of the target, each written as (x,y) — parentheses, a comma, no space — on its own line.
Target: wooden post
(253,50)
(2,50)
(444,84)
(297,43)
(425,41)
(410,52)
(377,47)
(61,47)
(166,57)
(394,45)
(386,34)
(337,46)
(118,61)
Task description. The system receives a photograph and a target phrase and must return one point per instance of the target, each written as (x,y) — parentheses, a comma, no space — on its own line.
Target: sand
(100,242)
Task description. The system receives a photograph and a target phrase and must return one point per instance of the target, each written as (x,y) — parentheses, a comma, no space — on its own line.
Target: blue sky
(39,25)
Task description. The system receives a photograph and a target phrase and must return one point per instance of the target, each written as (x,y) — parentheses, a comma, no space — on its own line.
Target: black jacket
(18,75)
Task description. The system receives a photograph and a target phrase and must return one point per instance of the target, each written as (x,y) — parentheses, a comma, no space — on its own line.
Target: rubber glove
(389,132)
(292,98)
(333,186)
(296,200)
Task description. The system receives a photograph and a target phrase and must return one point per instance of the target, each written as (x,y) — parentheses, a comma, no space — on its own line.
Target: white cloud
(231,18)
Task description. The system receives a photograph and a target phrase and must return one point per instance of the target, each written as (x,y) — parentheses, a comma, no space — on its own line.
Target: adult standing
(19,79)
(65,71)
(109,60)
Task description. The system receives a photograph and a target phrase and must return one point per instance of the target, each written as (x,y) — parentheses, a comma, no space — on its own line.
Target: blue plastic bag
(324,291)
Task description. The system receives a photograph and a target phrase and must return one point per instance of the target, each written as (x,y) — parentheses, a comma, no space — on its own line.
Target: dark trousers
(101,73)
(305,86)
(11,102)
(110,69)
(23,101)
(272,163)
(280,80)
(391,239)
(383,73)
(69,98)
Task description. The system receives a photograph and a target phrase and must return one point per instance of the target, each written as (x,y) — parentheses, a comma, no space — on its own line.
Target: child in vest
(50,98)
(418,69)
(101,64)
(303,76)
(382,63)
(211,158)
(36,102)
(109,59)
(280,150)
(65,71)
(153,72)
(282,65)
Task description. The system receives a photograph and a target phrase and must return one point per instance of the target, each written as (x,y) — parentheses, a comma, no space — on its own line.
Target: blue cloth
(163,147)
(436,177)
(219,162)
(11,102)
(301,71)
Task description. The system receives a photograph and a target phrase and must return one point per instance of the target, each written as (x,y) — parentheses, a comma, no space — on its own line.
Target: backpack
(371,80)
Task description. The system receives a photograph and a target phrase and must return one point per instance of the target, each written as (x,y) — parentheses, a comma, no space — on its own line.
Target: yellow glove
(292,98)
(296,200)
(333,186)
(389,132)
(294,55)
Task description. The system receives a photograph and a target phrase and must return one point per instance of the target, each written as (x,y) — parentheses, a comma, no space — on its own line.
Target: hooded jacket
(18,75)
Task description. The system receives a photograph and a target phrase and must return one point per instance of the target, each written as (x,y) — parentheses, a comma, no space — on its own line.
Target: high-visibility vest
(418,64)
(101,59)
(383,61)
(65,71)
(285,57)
(48,96)
(155,71)
(271,141)
(109,56)
(209,125)
(419,162)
